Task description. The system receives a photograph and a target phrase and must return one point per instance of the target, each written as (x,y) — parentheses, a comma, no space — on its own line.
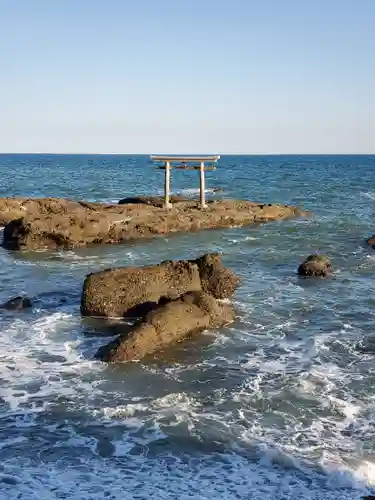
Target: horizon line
(179,154)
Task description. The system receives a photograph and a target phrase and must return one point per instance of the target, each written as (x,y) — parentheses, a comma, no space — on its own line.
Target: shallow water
(280,405)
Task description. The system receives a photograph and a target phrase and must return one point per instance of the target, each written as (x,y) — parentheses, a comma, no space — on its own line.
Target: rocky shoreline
(56,223)
(168,302)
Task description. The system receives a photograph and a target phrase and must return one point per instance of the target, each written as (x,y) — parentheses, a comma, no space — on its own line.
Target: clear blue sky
(239,76)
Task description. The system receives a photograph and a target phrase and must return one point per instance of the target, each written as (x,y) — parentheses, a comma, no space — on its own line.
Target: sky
(187,76)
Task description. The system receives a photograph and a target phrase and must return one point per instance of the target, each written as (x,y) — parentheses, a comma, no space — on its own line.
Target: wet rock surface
(16,304)
(168,323)
(316,266)
(172,301)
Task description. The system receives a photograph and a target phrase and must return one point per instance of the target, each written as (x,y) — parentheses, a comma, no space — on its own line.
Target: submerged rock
(316,265)
(55,223)
(133,291)
(17,304)
(168,323)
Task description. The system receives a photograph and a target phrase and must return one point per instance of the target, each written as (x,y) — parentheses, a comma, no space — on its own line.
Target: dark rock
(13,232)
(371,241)
(17,304)
(156,201)
(316,265)
(170,323)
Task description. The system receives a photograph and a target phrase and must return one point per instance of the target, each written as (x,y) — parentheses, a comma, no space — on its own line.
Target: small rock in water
(17,304)
(371,241)
(316,265)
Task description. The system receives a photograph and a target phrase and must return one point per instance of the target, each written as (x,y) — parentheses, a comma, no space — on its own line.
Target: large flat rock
(54,223)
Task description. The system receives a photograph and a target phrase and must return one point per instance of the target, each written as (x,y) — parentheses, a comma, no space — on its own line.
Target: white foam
(365,472)
(22,344)
(369,195)
(283,455)
(194,191)
(241,240)
(270,474)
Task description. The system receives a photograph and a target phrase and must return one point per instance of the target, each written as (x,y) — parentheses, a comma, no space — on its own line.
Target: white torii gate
(183,163)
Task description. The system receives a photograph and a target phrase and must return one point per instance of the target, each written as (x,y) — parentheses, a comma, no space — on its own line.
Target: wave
(129,472)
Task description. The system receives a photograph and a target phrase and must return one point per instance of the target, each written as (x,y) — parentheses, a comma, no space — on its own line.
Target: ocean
(279,405)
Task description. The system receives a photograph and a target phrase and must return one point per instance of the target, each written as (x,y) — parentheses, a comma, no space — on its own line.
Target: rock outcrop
(216,279)
(53,223)
(371,241)
(17,304)
(316,265)
(17,208)
(133,291)
(169,301)
(168,323)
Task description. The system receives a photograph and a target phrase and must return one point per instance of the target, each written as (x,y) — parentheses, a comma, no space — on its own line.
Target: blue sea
(279,405)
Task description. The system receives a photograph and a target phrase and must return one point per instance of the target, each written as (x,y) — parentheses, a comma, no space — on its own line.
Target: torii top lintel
(212,158)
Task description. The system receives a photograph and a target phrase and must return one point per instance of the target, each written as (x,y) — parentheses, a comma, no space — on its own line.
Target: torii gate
(183,163)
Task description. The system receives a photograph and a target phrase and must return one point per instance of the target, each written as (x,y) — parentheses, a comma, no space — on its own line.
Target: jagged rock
(133,291)
(17,304)
(168,323)
(55,223)
(216,279)
(316,265)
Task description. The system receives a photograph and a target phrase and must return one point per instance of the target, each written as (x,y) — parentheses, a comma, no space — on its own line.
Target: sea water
(279,405)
